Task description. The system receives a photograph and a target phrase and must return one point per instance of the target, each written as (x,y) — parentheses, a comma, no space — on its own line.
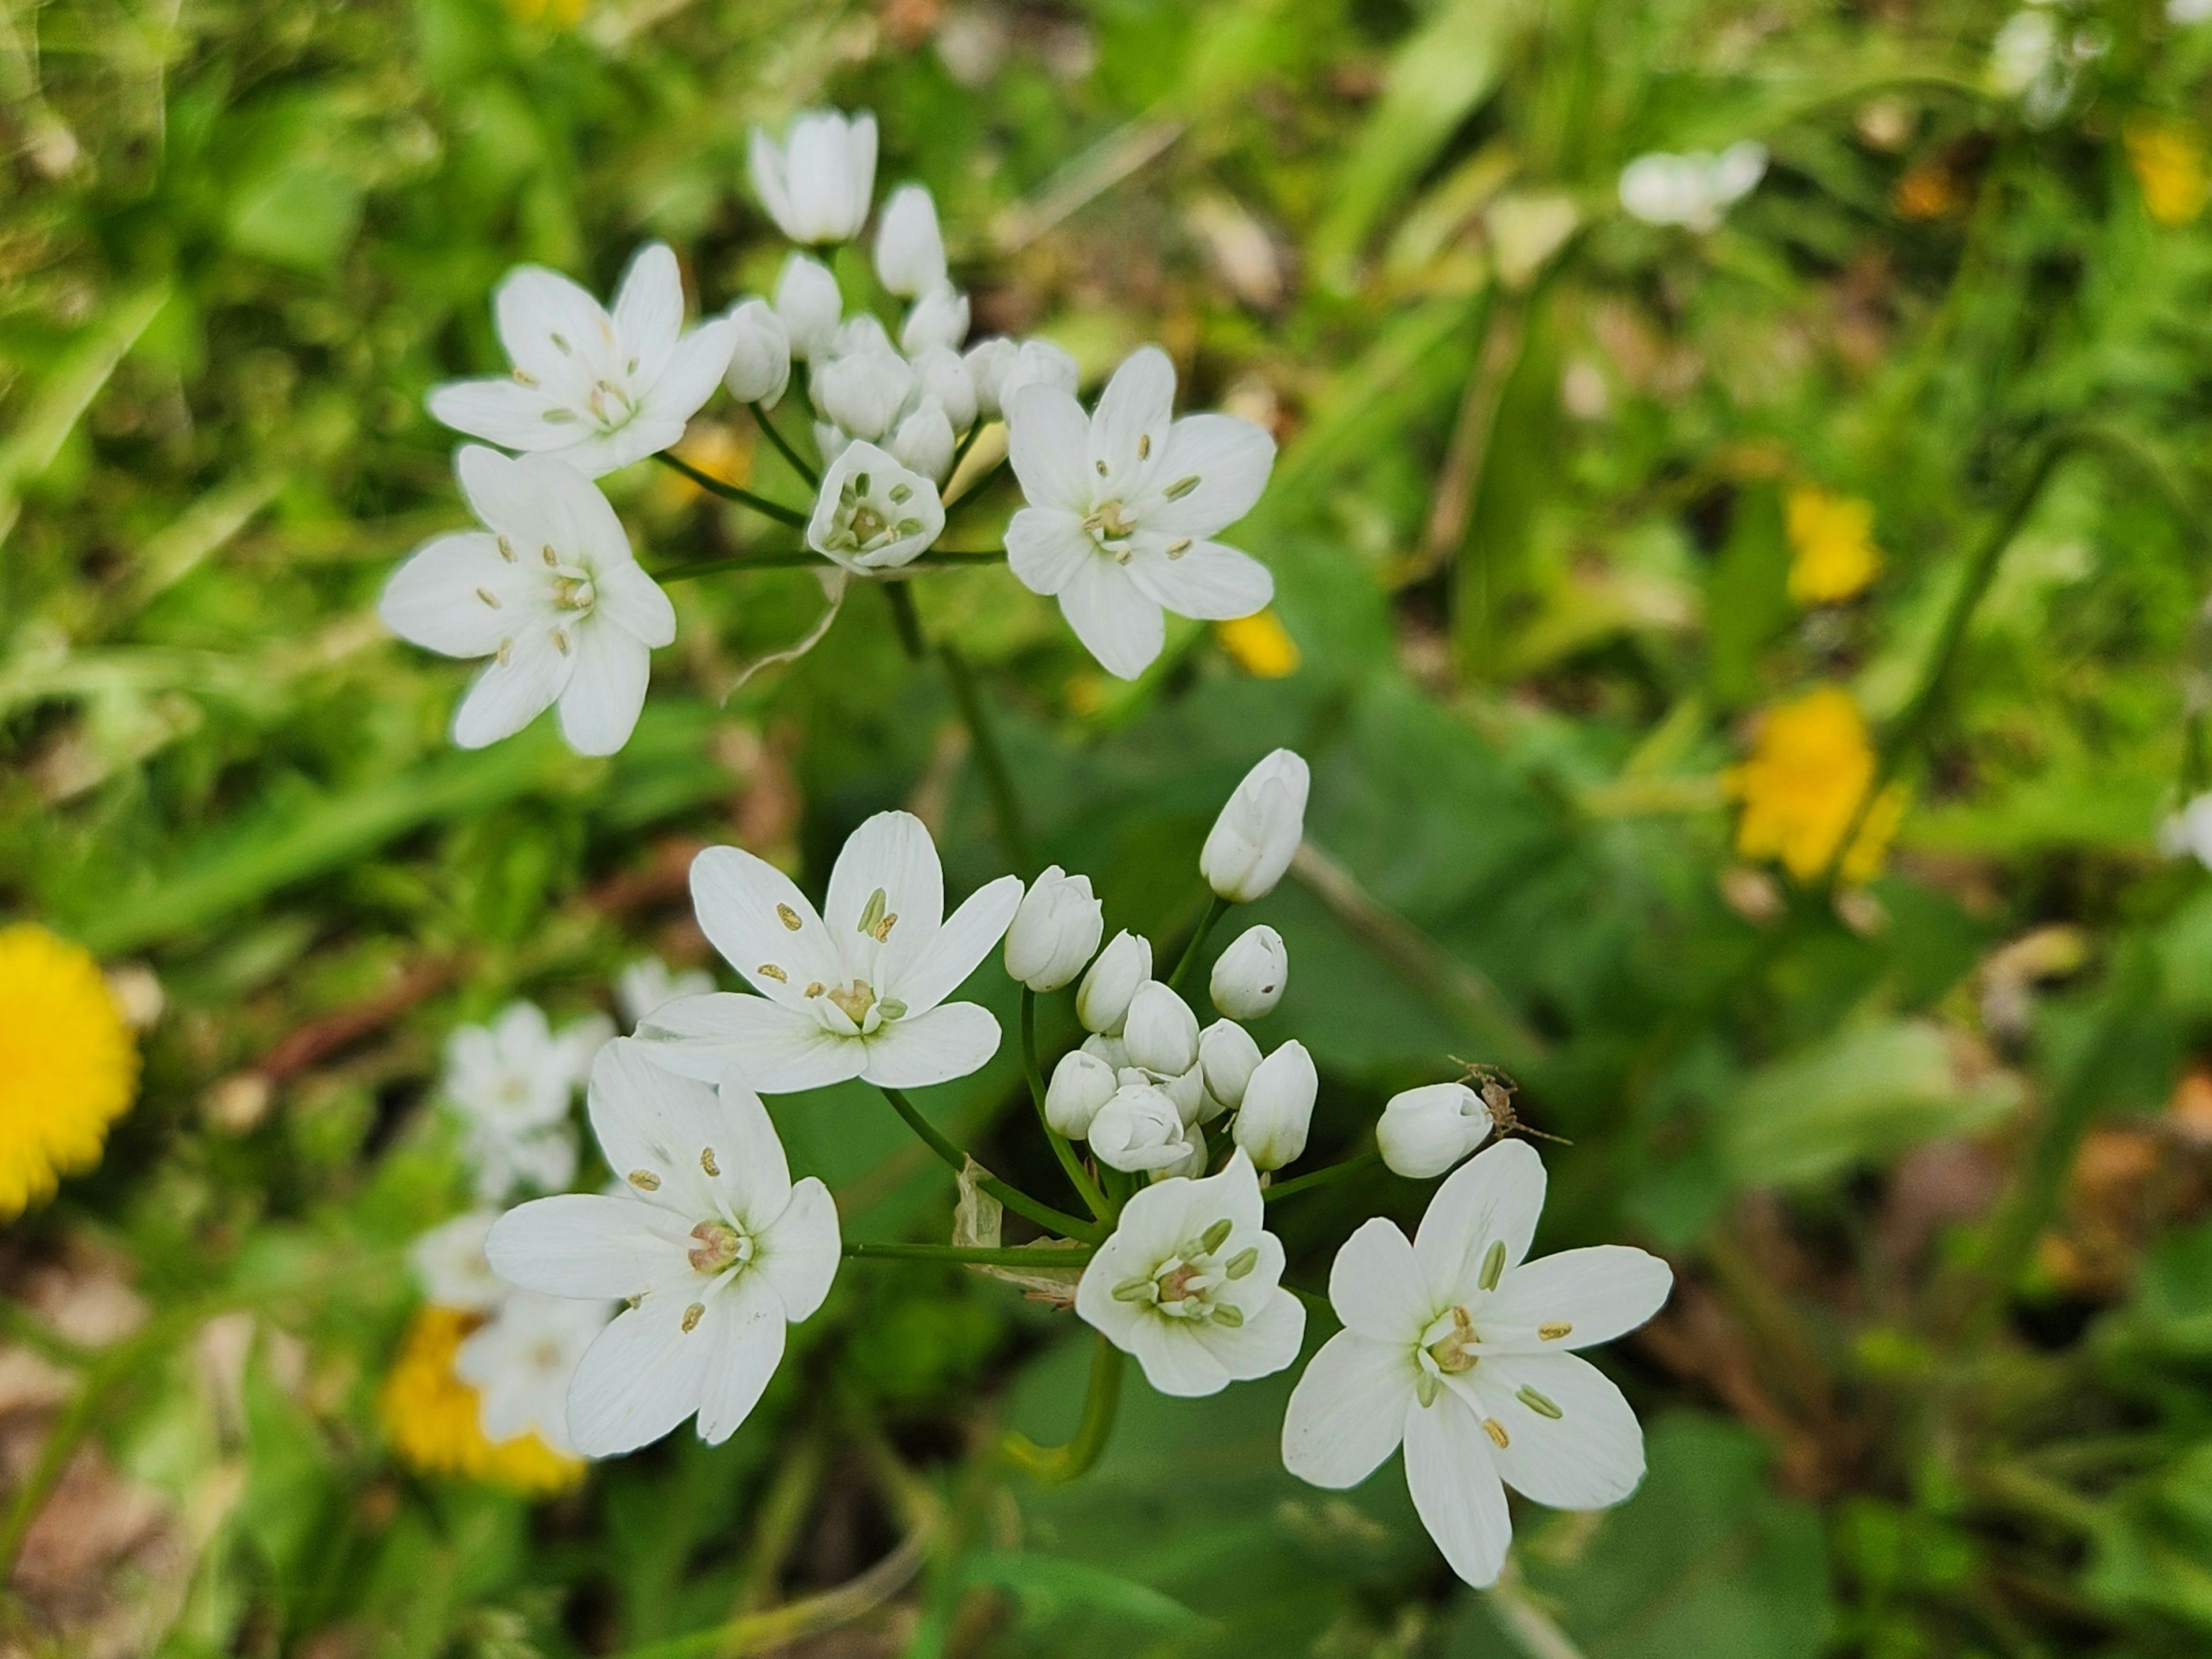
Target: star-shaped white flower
(1454,1347)
(1191,1284)
(598,391)
(510,1083)
(549,591)
(710,1241)
(859,994)
(1121,504)
(449,1264)
(522,1360)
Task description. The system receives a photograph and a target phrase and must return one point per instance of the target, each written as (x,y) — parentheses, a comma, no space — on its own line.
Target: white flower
(1191,1285)
(1453,1347)
(2188,833)
(808,305)
(910,248)
(940,318)
(873,513)
(1036,362)
(863,390)
(923,442)
(989,363)
(535,1160)
(1139,1129)
(1690,190)
(708,1239)
(549,591)
(647,983)
(760,354)
(598,391)
(515,1074)
(1278,1106)
(2185,12)
(522,1360)
(1252,842)
(1121,504)
(940,373)
(449,1264)
(1424,1131)
(1227,1056)
(1102,1001)
(1055,931)
(817,184)
(2023,50)
(1081,1084)
(860,994)
(1159,1031)
(1248,977)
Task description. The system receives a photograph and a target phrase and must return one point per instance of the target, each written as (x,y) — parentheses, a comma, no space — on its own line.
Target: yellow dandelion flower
(1260,644)
(2168,159)
(1831,539)
(1809,769)
(431,1416)
(68,1064)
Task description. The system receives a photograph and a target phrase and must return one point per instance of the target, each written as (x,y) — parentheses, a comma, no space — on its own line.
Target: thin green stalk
(1065,1153)
(1055,1465)
(804,558)
(1013,1198)
(783,447)
(1324,1176)
(1214,911)
(990,759)
(729,492)
(904,619)
(975,1255)
(967,442)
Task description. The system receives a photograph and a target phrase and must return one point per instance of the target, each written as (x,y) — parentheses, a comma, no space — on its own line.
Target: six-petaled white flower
(873,513)
(599,390)
(1191,1284)
(522,1360)
(857,990)
(817,184)
(1122,503)
(549,591)
(708,1240)
(1453,1347)
(511,1082)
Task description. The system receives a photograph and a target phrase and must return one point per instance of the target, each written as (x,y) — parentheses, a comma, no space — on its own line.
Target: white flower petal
(1600,1292)
(649,313)
(1376,1285)
(634,602)
(1348,1411)
(694,368)
(1120,626)
(755,1183)
(507,695)
(554,332)
(1266,1341)
(500,410)
(924,978)
(766,160)
(583,1245)
(1493,1197)
(948,1042)
(891,851)
(745,1322)
(799,1252)
(1455,1488)
(1048,442)
(1204,580)
(644,1376)
(747,906)
(1589,1456)
(1229,458)
(600,705)
(1176,1357)
(780,1050)
(1130,426)
(1046,546)
(600,454)
(650,1120)
(436,599)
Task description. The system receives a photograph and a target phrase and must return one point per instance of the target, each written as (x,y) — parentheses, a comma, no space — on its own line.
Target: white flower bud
(1424,1131)
(873,513)
(760,362)
(861,332)
(938,318)
(830,440)
(1039,363)
(1102,1001)
(1139,1128)
(808,305)
(1251,843)
(1248,977)
(1187,1092)
(909,249)
(817,184)
(1278,1102)
(989,362)
(1191,1164)
(863,392)
(1081,1084)
(1228,1054)
(1055,931)
(939,372)
(924,440)
(1161,1032)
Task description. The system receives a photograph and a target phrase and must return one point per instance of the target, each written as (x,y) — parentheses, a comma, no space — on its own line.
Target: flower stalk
(729,492)
(1217,907)
(1013,1198)
(1065,1153)
(797,463)
(1057,1465)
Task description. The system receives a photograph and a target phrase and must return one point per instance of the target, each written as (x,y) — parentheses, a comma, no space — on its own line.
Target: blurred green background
(1932,1157)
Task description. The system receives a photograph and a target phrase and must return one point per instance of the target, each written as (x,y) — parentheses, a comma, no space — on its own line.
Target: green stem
(1324,1176)
(904,619)
(1013,1198)
(802,558)
(990,759)
(1055,1465)
(729,492)
(783,447)
(1065,1153)
(967,442)
(1214,912)
(975,1256)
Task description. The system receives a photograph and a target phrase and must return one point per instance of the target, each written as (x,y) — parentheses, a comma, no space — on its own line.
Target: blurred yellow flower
(68,1064)
(1832,538)
(2168,159)
(561,14)
(1261,646)
(1809,769)
(431,1416)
